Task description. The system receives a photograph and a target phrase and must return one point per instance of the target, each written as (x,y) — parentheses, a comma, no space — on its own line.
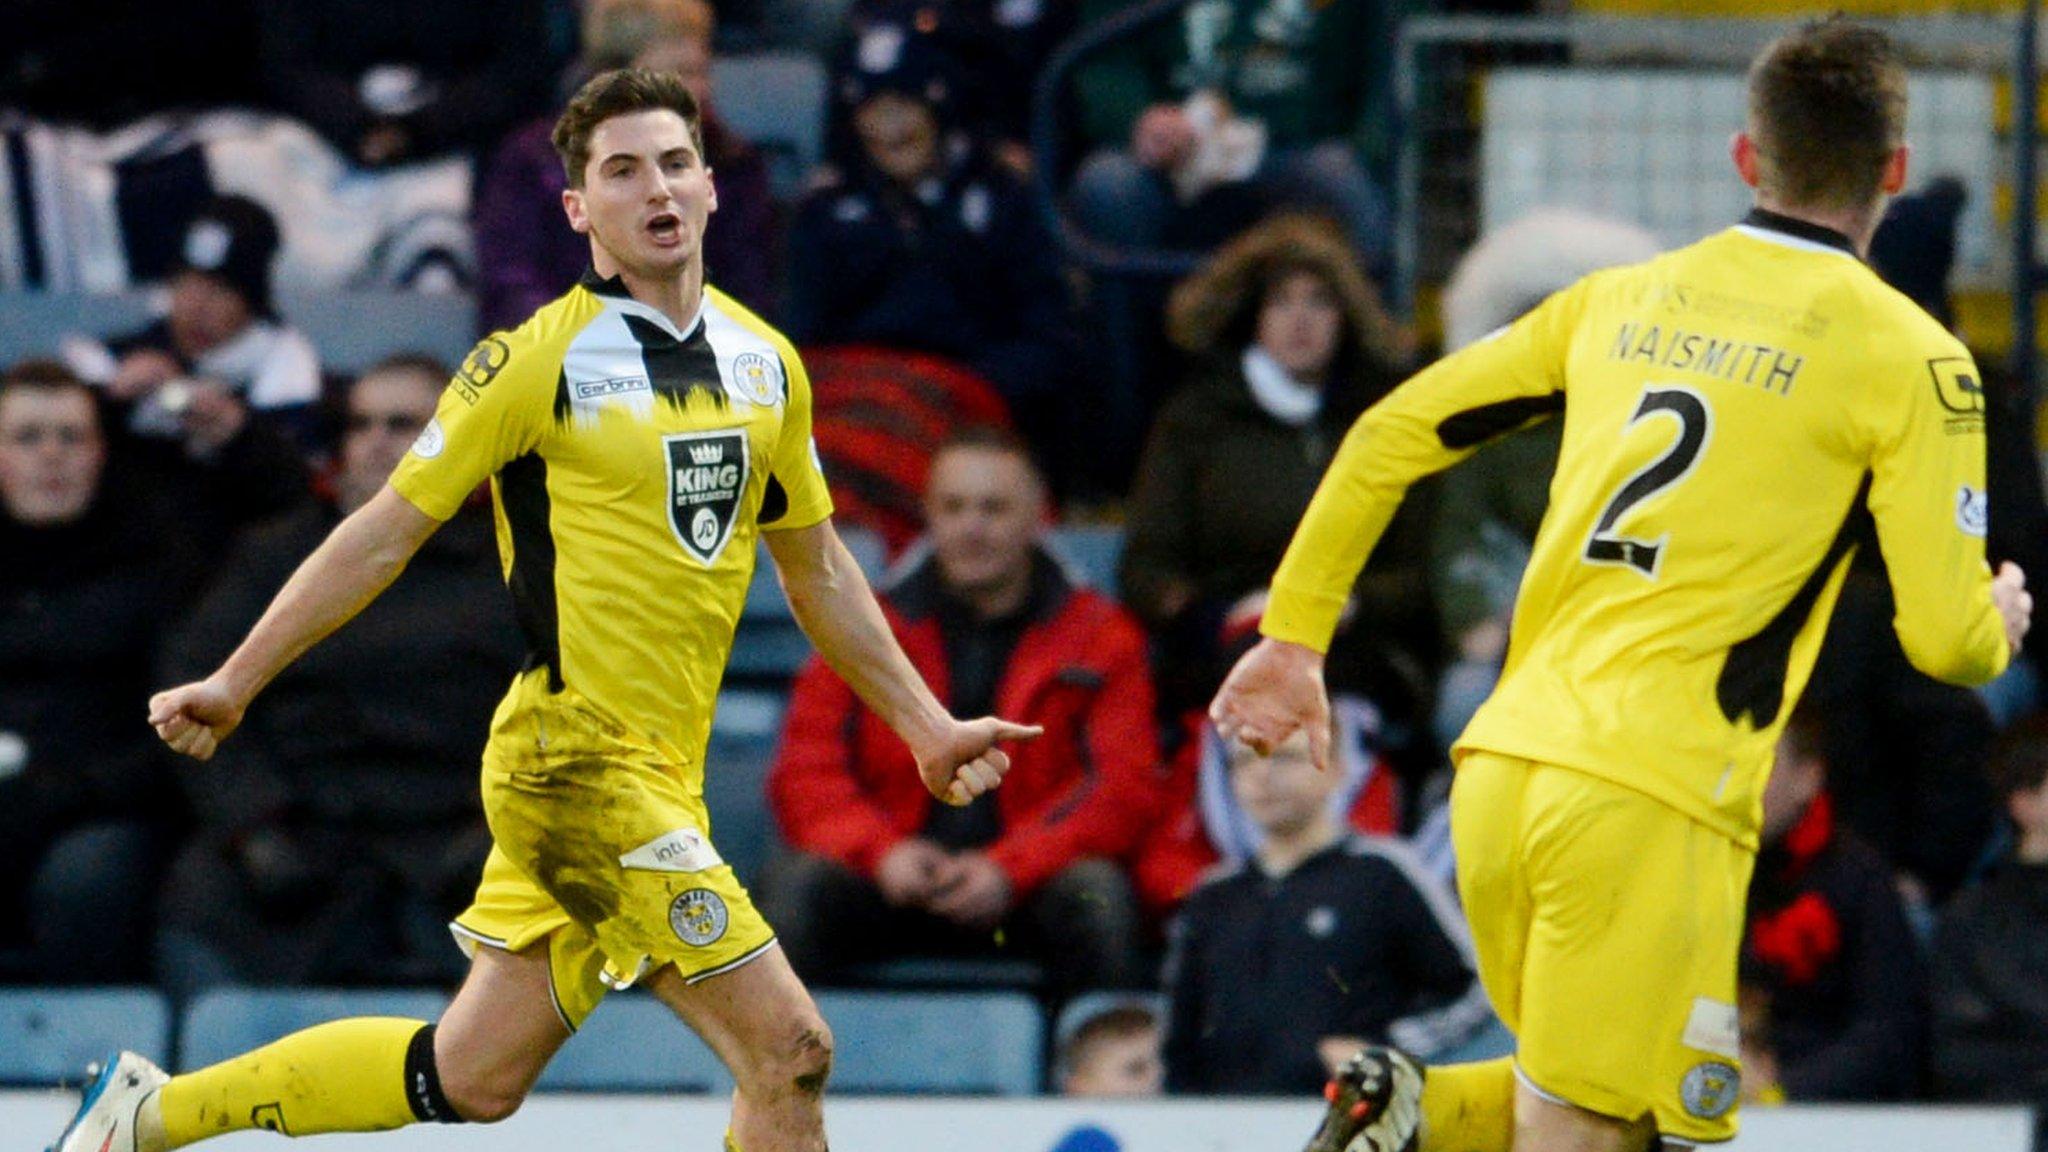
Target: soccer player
(1732,410)
(638,433)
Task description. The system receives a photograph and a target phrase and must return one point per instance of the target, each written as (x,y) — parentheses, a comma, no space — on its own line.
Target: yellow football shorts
(1607,927)
(602,848)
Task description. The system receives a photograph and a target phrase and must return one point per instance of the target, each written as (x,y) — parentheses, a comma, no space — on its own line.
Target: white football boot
(106,1116)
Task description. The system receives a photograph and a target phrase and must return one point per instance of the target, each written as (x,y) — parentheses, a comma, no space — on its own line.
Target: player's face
(386,411)
(646,196)
(1299,323)
(983,509)
(51,454)
(1282,793)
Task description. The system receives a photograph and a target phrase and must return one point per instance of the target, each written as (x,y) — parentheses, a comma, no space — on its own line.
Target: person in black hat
(925,243)
(215,399)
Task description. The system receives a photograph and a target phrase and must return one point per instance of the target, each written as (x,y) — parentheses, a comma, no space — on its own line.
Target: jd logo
(480,367)
(707,476)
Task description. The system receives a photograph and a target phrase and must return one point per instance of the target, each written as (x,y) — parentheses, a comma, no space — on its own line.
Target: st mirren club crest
(707,476)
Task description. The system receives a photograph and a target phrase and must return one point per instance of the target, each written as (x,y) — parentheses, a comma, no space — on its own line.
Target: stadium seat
(222,1022)
(777,101)
(769,648)
(49,1035)
(743,740)
(634,1043)
(1092,551)
(954,1043)
(946,973)
(353,330)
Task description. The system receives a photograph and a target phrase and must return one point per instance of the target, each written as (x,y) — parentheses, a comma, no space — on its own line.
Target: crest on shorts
(698,916)
(1710,1089)
(707,475)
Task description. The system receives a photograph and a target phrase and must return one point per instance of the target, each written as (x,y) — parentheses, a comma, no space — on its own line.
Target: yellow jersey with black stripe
(1730,410)
(632,464)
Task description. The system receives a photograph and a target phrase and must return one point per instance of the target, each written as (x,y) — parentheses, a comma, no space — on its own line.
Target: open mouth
(666,228)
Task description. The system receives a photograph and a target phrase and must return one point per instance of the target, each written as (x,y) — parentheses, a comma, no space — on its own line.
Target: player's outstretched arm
(958,759)
(358,560)
(1275,690)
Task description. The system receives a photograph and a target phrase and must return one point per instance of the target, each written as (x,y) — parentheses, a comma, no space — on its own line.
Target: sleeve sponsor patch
(1961,392)
(480,367)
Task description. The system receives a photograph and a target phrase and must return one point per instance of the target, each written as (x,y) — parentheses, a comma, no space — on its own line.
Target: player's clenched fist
(194,718)
(965,762)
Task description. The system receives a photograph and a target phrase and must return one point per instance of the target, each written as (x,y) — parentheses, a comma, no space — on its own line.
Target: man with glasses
(340,830)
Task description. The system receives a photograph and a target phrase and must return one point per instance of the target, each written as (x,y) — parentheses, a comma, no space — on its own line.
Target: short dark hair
(2019,761)
(620,92)
(990,438)
(45,375)
(1123,1022)
(418,363)
(1827,105)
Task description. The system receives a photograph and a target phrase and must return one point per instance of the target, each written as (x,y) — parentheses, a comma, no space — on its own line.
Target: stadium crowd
(977,396)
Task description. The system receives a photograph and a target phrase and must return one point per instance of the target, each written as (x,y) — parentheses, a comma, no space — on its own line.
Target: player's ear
(711,198)
(1894,179)
(1742,150)
(572,206)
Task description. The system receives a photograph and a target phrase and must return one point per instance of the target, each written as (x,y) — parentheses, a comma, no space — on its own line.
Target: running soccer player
(1732,411)
(638,433)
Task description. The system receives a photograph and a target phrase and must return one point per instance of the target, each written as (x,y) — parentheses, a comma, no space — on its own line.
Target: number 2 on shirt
(1695,427)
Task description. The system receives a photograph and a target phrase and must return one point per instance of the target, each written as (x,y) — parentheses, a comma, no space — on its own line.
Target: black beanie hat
(233,239)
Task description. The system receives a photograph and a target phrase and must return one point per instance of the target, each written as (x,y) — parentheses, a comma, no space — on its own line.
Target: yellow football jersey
(1730,409)
(631,465)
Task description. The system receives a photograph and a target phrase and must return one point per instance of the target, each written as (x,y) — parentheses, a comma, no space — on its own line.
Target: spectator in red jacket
(992,623)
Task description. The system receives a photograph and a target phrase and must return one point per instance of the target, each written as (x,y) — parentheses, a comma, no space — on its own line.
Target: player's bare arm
(958,759)
(358,560)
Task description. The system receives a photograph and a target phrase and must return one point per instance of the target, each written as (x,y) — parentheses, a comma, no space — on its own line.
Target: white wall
(694,1124)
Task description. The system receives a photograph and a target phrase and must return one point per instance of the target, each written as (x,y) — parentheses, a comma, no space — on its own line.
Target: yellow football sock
(346,1076)
(731,1145)
(1469,1107)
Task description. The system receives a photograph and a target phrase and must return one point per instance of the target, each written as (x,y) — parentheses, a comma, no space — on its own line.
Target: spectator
(1488,507)
(1827,953)
(1990,1001)
(925,244)
(526,249)
(91,573)
(1109,1053)
(389,81)
(1321,942)
(994,625)
(1270,98)
(341,829)
(207,398)
(1291,345)
(1001,44)
(1202,824)
(1894,735)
